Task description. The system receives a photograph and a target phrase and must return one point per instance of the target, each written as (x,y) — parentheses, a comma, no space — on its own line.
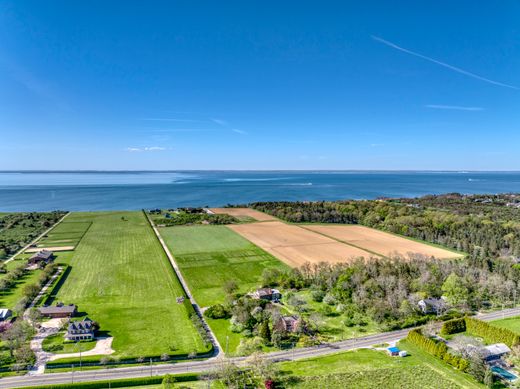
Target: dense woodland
(483,226)
(19,229)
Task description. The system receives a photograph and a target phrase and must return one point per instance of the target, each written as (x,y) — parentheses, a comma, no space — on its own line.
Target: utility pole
(151,367)
(227,344)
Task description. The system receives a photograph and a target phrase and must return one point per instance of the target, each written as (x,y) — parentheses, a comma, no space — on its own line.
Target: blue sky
(259,85)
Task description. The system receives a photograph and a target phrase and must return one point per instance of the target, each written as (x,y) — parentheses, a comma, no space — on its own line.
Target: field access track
(295,245)
(380,242)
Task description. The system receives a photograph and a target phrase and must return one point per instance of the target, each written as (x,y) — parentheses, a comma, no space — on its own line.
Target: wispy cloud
(239,131)
(154,129)
(444,64)
(454,107)
(220,122)
(377,144)
(141,149)
(173,120)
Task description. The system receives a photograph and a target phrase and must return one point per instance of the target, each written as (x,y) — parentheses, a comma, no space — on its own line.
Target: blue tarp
(393,349)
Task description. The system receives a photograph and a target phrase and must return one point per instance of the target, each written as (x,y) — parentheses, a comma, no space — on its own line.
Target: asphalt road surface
(207,365)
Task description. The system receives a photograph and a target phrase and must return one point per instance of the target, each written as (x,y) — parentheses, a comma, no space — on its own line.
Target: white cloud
(220,122)
(454,107)
(239,131)
(173,120)
(141,149)
(444,64)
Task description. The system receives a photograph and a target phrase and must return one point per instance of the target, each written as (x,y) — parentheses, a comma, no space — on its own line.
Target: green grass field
(512,323)
(57,345)
(68,233)
(121,277)
(208,256)
(374,369)
(211,255)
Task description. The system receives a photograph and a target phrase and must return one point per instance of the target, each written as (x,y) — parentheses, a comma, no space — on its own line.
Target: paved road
(201,366)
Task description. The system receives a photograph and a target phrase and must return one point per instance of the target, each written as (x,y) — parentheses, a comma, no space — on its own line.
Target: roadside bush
(217,311)
(491,332)
(453,326)
(437,349)
(120,383)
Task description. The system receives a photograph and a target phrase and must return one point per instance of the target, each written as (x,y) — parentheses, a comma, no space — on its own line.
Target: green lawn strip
(67,233)
(56,344)
(512,323)
(208,257)
(121,277)
(365,360)
(10,298)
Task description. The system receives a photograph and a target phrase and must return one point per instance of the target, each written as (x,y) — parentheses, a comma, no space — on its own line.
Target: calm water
(76,191)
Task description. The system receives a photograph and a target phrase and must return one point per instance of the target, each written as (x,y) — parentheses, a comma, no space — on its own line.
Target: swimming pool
(503,373)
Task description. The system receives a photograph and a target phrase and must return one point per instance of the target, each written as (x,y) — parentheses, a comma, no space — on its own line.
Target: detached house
(80,330)
(267,294)
(432,305)
(43,256)
(287,324)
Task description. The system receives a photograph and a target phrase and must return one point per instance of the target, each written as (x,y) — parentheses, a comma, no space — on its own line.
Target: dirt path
(41,293)
(47,329)
(198,311)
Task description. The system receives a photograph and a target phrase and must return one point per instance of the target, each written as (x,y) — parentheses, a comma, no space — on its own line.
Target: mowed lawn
(68,233)
(120,277)
(512,323)
(209,256)
(375,369)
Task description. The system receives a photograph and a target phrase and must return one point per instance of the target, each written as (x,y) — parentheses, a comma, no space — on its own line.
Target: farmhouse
(288,324)
(495,351)
(5,314)
(267,294)
(43,256)
(58,311)
(432,305)
(80,330)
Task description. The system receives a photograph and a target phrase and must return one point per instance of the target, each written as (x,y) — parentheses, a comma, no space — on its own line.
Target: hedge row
(453,326)
(120,383)
(58,282)
(437,349)
(491,332)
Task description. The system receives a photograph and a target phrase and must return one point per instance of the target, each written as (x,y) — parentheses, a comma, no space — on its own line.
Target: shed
(393,351)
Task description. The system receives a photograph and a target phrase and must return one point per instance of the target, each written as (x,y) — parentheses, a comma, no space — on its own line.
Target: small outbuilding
(58,311)
(5,314)
(393,351)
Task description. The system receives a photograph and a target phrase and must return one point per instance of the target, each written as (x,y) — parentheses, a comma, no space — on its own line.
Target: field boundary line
(344,242)
(37,238)
(216,345)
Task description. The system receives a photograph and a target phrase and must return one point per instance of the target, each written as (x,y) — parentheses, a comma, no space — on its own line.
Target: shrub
(453,326)
(491,332)
(317,295)
(142,381)
(217,311)
(437,349)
